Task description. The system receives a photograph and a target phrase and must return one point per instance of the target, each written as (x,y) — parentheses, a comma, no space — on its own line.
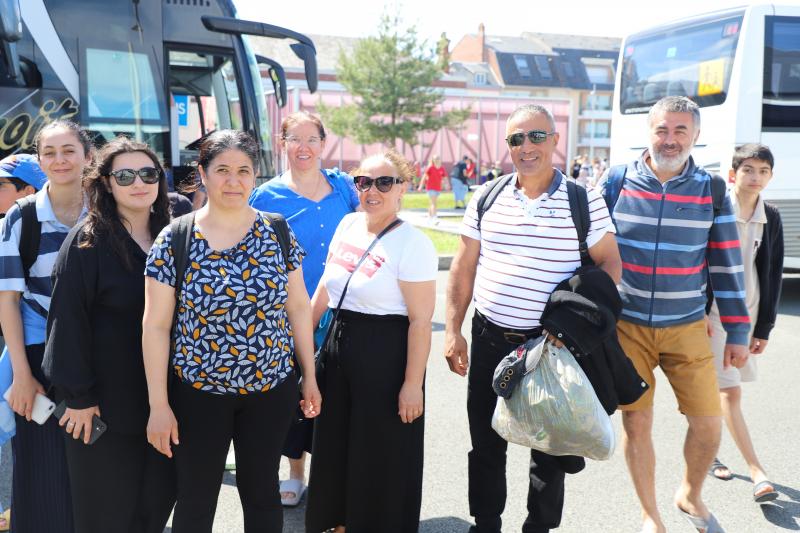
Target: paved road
(600,499)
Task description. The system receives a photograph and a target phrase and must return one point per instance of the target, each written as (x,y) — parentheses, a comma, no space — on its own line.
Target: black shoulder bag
(322,352)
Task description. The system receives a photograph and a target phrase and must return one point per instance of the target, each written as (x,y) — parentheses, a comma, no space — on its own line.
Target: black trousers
(207,422)
(120,484)
(487,460)
(41,491)
(366,465)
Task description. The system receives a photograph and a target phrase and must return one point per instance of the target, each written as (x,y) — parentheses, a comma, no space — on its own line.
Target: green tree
(390,76)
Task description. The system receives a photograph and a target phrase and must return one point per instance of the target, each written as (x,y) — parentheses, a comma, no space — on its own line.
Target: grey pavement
(601,499)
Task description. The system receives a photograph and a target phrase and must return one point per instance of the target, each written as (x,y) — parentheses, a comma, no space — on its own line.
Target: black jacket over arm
(769,265)
(93,354)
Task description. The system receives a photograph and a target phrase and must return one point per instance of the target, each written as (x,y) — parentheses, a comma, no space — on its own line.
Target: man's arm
(459,296)
(724,257)
(605,255)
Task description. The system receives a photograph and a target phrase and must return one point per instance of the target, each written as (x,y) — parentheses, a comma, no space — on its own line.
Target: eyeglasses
(382,183)
(126,176)
(297,141)
(535,136)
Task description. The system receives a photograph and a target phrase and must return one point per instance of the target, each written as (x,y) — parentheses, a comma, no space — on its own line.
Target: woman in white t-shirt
(366,469)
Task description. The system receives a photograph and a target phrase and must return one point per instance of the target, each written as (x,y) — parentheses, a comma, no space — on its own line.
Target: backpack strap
(579,209)
(719,188)
(278,222)
(181,229)
(613,187)
(490,194)
(30,235)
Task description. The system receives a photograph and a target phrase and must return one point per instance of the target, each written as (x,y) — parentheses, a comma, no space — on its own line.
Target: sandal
(764,497)
(292,486)
(716,466)
(702,525)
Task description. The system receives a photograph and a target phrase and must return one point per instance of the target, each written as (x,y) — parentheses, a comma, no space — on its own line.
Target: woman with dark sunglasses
(93,355)
(366,466)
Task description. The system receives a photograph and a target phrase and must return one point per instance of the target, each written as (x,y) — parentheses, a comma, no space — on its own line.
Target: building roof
(327,46)
(551,59)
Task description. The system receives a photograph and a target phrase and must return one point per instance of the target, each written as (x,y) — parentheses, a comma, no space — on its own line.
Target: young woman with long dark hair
(93,355)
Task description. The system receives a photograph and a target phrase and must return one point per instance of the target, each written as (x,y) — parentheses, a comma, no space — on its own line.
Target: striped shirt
(35,301)
(528,246)
(670,241)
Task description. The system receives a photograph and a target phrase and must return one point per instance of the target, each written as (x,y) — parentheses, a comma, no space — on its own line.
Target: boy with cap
(20,176)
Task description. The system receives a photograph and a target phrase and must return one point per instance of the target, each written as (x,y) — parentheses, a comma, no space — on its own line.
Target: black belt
(510,335)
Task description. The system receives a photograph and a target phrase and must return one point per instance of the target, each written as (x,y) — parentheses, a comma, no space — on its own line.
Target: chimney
(482,41)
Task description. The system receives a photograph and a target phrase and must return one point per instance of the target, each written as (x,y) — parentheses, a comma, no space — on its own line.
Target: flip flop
(767,496)
(702,525)
(296,487)
(717,465)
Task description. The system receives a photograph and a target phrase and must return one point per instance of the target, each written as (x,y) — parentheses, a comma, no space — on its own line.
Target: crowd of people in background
(168,331)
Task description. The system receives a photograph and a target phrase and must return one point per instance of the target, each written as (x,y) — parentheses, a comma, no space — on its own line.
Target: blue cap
(25,167)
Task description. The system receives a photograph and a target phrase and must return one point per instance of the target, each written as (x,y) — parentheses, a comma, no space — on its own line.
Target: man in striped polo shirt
(671,237)
(526,245)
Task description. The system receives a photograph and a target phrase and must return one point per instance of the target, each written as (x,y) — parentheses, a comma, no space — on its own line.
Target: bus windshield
(264,127)
(693,61)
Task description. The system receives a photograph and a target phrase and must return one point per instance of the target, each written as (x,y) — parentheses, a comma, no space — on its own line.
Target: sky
(359,18)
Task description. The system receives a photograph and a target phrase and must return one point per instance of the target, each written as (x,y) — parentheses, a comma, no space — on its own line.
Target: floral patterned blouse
(233,335)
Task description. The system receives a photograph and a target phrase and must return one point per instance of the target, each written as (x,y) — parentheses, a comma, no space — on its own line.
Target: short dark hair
(752,151)
(224,140)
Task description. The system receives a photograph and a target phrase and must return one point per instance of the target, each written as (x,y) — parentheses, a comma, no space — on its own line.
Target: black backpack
(30,235)
(578,206)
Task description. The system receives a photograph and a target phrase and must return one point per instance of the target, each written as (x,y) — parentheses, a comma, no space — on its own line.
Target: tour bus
(742,67)
(166,72)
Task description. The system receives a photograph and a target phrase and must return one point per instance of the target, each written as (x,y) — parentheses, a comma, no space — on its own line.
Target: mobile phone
(98,426)
(42,406)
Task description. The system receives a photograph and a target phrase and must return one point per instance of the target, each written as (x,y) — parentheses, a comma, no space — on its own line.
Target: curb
(445,261)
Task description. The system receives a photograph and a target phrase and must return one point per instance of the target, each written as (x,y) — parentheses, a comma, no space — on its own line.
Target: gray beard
(670,164)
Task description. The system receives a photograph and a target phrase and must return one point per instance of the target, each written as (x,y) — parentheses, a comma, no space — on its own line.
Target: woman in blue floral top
(243,315)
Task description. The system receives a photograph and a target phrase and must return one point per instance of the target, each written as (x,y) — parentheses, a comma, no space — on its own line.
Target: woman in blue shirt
(313,201)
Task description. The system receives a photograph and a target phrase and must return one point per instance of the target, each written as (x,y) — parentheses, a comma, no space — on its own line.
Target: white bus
(742,67)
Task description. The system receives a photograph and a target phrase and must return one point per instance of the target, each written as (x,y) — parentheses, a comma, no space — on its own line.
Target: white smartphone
(43,407)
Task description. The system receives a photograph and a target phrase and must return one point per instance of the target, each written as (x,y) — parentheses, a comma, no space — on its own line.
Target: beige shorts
(684,355)
(732,377)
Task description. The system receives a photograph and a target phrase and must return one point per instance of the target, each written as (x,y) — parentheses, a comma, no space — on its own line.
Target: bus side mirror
(277,76)
(10,21)
(309,56)
(10,33)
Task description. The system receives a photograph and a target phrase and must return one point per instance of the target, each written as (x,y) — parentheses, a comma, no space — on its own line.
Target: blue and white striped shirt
(35,301)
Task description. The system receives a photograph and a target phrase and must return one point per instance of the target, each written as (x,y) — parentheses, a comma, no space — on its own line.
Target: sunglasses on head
(382,183)
(126,176)
(535,136)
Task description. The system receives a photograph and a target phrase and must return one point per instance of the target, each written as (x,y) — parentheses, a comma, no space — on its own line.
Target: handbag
(321,356)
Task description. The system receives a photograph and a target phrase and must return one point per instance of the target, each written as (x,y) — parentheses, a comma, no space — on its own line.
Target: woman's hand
(23,393)
(311,404)
(411,402)
(161,429)
(77,421)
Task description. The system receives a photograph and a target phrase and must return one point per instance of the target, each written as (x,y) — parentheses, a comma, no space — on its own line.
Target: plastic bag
(554,409)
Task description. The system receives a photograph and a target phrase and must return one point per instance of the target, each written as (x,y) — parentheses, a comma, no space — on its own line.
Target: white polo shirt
(528,246)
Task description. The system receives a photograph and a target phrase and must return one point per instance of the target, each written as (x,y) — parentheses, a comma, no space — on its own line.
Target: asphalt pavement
(601,499)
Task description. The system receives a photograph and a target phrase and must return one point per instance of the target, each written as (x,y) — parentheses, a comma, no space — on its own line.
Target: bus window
(694,62)
(120,97)
(120,85)
(782,73)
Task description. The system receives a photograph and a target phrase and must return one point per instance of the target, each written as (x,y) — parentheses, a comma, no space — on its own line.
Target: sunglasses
(535,136)
(126,176)
(382,183)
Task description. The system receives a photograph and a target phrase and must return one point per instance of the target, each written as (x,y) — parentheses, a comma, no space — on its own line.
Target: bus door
(205,98)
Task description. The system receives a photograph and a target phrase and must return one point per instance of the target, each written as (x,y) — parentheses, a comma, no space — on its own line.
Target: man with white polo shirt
(525,245)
